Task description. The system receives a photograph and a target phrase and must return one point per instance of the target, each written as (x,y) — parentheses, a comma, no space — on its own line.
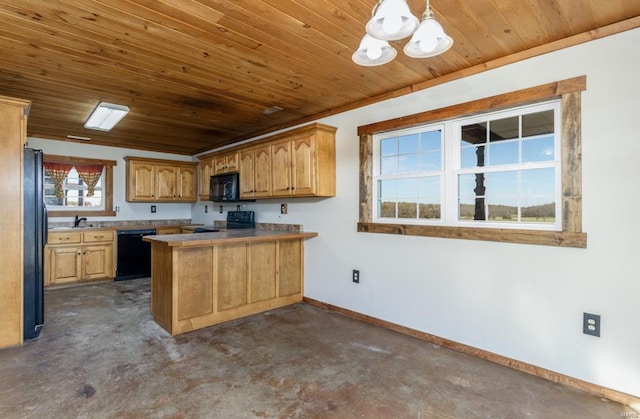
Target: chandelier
(391,21)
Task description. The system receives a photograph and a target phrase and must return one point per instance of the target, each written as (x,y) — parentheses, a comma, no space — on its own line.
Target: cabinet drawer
(98,236)
(64,237)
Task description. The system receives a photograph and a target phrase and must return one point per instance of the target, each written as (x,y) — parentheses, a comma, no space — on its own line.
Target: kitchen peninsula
(198,280)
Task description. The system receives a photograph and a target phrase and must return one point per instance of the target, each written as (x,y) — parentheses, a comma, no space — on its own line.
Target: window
(78,185)
(501,171)
(506,168)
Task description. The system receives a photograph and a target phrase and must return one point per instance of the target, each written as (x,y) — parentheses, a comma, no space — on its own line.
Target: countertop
(226,236)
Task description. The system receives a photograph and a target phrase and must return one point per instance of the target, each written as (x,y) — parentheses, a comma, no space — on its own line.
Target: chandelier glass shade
(391,21)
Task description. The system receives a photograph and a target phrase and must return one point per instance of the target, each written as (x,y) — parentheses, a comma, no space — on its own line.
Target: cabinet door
(233,164)
(231,276)
(206,170)
(186,184)
(97,261)
(262,271)
(142,182)
(225,163)
(262,171)
(66,264)
(281,168)
(166,182)
(303,166)
(246,169)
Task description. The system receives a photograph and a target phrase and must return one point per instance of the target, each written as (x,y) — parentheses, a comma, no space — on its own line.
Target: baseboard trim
(555,377)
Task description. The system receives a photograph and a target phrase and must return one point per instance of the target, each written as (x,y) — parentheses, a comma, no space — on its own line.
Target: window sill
(545,238)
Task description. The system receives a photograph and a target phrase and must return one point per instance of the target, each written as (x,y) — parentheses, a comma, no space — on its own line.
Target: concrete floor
(101,355)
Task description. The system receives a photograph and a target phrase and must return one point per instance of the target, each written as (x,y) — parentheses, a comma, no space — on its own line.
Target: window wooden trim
(107,187)
(569,91)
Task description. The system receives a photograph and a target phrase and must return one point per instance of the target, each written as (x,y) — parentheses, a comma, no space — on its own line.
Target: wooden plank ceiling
(197,74)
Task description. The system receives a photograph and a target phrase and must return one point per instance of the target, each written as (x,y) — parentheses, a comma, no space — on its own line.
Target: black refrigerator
(35,237)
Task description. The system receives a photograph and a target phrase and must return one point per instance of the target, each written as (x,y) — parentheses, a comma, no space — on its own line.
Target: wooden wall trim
(503,235)
(505,100)
(571,156)
(78,160)
(544,373)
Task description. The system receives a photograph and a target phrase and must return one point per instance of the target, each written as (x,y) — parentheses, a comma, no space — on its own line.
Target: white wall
(520,301)
(128,210)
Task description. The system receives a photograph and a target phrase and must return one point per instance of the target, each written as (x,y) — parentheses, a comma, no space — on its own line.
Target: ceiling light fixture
(105,116)
(391,21)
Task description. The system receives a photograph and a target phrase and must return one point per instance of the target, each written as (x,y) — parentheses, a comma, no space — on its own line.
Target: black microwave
(224,187)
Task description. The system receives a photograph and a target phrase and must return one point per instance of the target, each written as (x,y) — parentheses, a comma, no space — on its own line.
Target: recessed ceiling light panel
(105,116)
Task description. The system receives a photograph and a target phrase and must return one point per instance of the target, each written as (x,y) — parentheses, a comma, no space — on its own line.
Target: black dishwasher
(134,254)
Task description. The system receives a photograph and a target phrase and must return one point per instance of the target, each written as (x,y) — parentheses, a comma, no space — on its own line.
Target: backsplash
(124,223)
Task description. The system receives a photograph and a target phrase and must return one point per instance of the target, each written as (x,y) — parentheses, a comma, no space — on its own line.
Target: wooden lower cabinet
(194,287)
(169,230)
(88,256)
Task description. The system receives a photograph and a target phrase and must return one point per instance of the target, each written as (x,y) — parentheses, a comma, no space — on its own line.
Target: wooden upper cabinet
(262,171)
(281,168)
(186,184)
(297,163)
(153,180)
(205,171)
(166,182)
(246,166)
(225,163)
(303,166)
(141,181)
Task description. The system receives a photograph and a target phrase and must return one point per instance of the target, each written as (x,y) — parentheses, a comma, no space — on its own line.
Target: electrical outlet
(221,209)
(238,207)
(591,324)
(153,209)
(206,209)
(283,209)
(356,276)
(117,208)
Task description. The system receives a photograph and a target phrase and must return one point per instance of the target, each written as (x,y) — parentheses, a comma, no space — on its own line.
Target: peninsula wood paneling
(197,74)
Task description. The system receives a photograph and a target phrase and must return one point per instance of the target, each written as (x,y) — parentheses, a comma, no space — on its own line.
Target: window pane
(408,163)
(431,141)
(407,209)
(409,144)
(538,123)
(473,156)
(431,161)
(429,197)
(387,209)
(407,188)
(538,198)
(474,134)
(503,153)
(504,129)
(389,165)
(502,196)
(389,147)
(387,189)
(538,149)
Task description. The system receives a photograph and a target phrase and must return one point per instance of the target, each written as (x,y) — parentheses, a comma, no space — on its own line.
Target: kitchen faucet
(77,221)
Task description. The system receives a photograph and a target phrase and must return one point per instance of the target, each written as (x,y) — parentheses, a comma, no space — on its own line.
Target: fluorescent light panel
(105,116)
